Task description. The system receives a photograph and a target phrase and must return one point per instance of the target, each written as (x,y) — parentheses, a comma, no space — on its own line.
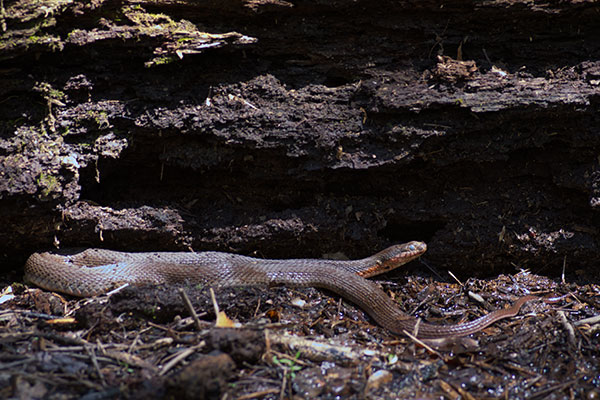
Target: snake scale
(95,271)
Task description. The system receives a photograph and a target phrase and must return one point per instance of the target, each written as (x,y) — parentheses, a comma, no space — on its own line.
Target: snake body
(96,271)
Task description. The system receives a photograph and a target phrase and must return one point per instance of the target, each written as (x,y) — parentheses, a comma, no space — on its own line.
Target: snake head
(393,257)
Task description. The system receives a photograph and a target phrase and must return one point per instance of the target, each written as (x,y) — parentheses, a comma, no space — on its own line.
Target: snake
(91,272)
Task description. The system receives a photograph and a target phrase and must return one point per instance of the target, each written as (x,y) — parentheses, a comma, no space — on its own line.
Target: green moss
(48,91)
(47,184)
(100,117)
(141,17)
(160,61)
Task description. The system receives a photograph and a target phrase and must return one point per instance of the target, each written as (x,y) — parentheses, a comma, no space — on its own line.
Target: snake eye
(412,247)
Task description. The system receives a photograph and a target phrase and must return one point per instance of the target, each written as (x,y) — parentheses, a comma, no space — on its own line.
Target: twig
(157,326)
(190,308)
(318,351)
(260,394)
(455,278)
(17,363)
(29,314)
(81,348)
(130,359)
(179,357)
(257,308)
(554,389)
(108,294)
(486,57)
(62,339)
(565,323)
(214,301)
(92,354)
(134,343)
(430,268)
(425,345)
(283,385)
(590,320)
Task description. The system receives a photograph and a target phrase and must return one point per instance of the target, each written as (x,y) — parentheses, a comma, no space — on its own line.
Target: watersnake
(95,271)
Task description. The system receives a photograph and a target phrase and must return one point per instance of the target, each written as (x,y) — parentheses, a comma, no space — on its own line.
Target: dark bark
(296,129)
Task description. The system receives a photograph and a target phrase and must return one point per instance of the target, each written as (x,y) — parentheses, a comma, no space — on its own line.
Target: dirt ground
(143,343)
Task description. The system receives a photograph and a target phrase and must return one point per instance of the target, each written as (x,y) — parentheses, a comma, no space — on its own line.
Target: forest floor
(300,343)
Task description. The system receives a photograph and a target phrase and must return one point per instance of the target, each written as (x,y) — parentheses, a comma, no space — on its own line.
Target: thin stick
(416,340)
(190,308)
(455,278)
(123,286)
(565,323)
(179,357)
(92,354)
(214,301)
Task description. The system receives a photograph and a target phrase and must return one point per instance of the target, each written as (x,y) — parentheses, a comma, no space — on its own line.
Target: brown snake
(96,271)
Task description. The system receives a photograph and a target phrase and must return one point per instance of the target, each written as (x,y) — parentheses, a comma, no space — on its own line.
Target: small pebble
(298,302)
(379,378)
